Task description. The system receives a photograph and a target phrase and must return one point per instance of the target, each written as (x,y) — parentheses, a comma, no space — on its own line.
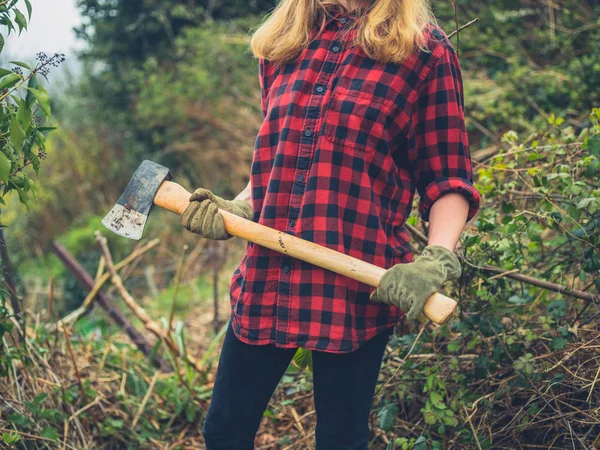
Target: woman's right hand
(202,215)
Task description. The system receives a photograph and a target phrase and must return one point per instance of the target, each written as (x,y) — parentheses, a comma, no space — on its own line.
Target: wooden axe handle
(175,198)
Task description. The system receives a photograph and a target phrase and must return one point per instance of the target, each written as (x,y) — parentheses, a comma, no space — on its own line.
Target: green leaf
(558,343)
(10,438)
(17,133)
(23,197)
(46,130)
(33,83)
(20,420)
(429,418)
(24,115)
(1,43)
(20,20)
(585,202)
(5,167)
(387,416)
(114,423)
(437,400)
(594,145)
(39,399)
(450,421)
(303,359)
(4,72)
(28,5)
(5,20)
(49,433)
(518,300)
(43,99)
(21,64)
(9,81)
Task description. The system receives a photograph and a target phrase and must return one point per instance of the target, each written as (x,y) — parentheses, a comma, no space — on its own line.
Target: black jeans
(344,385)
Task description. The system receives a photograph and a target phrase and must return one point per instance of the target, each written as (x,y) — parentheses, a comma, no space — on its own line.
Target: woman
(362,106)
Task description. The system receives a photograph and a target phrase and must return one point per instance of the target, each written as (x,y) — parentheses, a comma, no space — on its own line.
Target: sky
(50,31)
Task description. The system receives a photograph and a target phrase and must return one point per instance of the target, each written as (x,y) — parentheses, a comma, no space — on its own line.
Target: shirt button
(335,48)
(343,21)
(308,133)
(292,223)
(300,178)
(286,269)
(319,89)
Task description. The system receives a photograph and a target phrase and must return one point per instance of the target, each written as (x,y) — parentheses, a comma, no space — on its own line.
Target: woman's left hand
(409,286)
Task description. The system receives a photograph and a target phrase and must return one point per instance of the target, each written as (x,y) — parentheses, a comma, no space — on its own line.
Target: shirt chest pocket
(356,120)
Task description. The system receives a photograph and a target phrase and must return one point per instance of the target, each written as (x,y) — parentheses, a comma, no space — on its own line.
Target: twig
(472,428)
(463,27)
(453,3)
(50,299)
(144,401)
(176,287)
(593,385)
(387,383)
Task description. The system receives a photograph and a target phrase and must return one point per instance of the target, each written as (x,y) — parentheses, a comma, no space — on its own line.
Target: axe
(151,185)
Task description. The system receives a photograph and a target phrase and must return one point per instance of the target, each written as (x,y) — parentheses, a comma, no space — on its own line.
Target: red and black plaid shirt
(344,144)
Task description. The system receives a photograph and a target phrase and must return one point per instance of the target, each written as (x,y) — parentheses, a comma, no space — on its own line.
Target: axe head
(128,217)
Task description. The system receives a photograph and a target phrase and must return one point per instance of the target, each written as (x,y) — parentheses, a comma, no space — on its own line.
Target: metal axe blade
(128,217)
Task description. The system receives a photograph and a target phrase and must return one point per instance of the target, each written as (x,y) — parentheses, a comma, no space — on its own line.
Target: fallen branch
(139,312)
(107,304)
(100,280)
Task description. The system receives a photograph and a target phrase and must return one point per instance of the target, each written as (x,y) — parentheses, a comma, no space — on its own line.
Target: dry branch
(107,304)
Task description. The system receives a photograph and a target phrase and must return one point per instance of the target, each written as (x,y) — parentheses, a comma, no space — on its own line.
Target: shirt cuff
(442,186)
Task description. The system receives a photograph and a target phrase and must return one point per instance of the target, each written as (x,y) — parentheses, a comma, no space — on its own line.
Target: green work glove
(409,286)
(202,215)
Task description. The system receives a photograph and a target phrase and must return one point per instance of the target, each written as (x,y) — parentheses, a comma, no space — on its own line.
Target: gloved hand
(409,286)
(202,216)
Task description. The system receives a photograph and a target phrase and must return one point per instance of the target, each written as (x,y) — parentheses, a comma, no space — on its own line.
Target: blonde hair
(389,30)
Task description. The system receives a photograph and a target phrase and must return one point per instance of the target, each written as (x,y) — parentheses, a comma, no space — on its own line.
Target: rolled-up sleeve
(440,158)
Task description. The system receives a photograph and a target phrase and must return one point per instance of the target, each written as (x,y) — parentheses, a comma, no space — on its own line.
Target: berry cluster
(17,70)
(45,62)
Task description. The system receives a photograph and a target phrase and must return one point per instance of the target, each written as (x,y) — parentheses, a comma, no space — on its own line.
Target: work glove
(202,215)
(409,286)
